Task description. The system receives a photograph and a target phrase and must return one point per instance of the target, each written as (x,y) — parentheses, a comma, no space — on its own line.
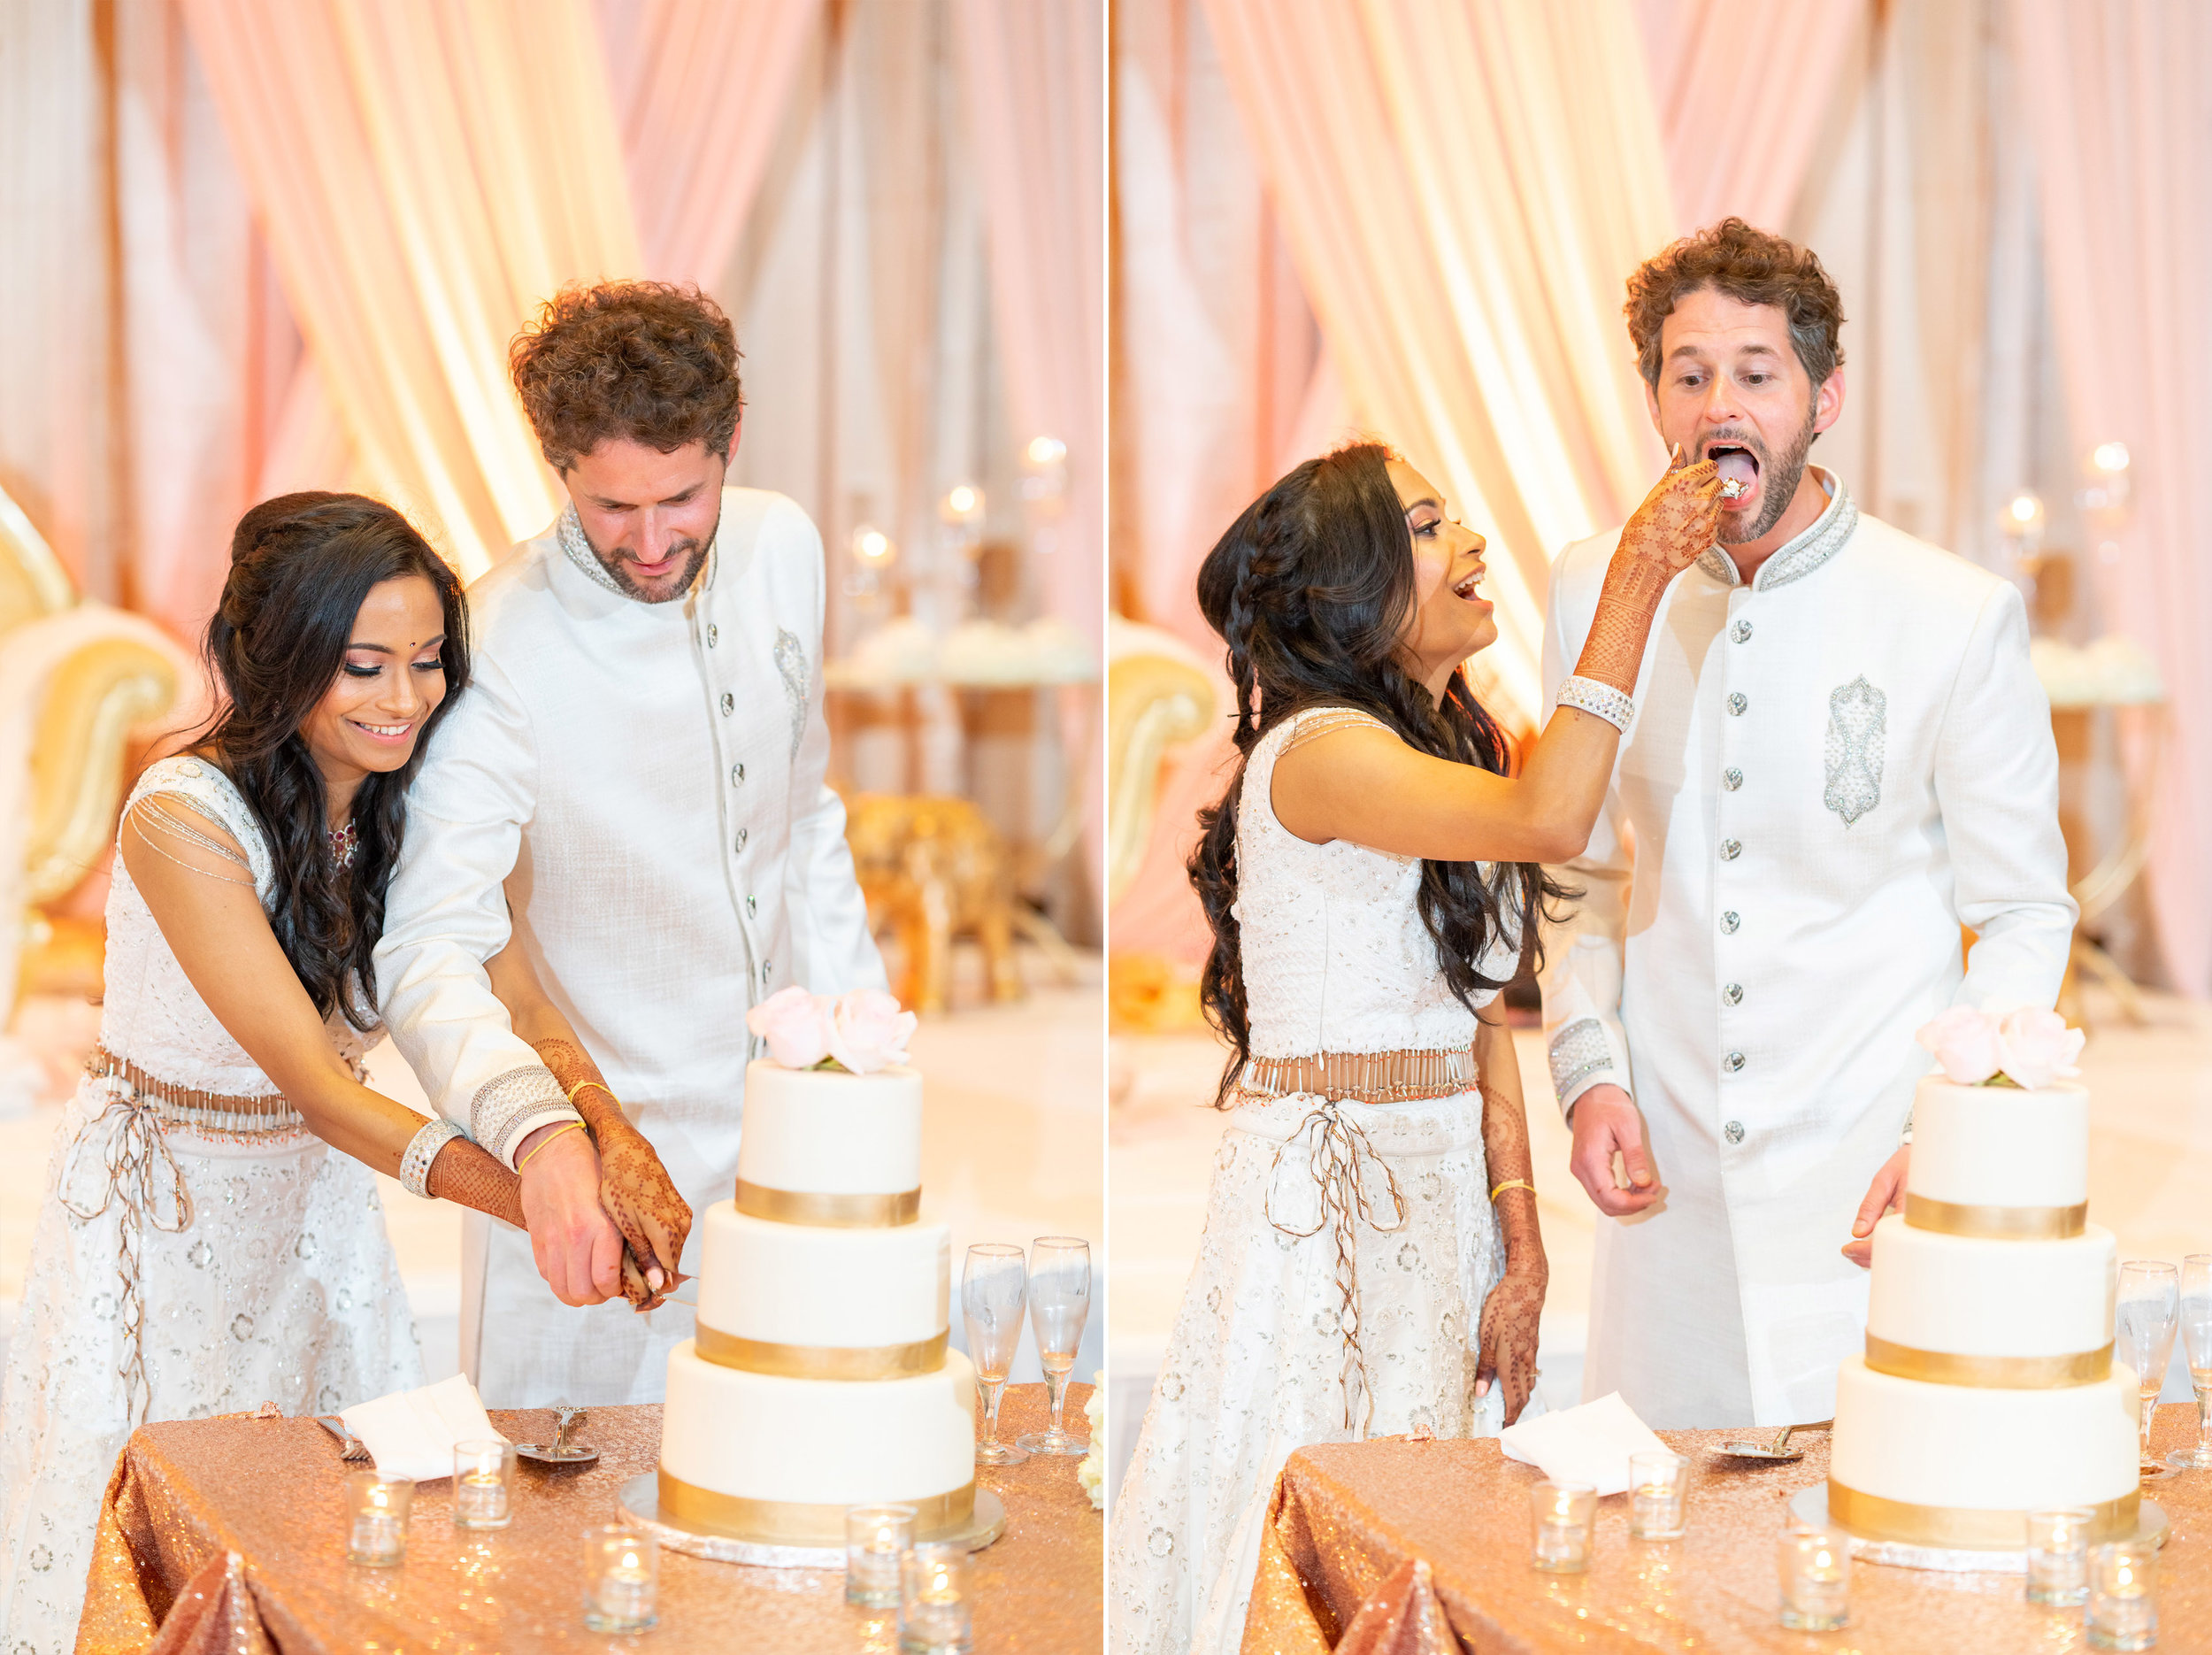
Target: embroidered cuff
(1599,700)
(422,1148)
(509,1107)
(1581,1058)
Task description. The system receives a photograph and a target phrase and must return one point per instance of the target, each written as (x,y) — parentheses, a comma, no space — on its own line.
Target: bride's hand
(1506,1346)
(641,1199)
(1678,518)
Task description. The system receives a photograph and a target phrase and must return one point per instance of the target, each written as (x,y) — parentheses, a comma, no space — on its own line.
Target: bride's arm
(1510,1314)
(634,1187)
(1363,784)
(202,897)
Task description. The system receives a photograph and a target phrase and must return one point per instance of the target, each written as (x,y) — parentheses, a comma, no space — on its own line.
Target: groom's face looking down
(650,517)
(1732,390)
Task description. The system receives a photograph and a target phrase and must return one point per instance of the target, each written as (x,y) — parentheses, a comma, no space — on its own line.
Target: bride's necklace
(344,841)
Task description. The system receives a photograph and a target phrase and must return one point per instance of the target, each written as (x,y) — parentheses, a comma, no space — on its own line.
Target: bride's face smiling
(392,680)
(1451,620)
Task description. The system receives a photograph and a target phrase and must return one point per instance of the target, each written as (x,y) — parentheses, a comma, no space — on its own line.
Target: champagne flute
(2196,1338)
(2150,1305)
(992,1283)
(1059,1302)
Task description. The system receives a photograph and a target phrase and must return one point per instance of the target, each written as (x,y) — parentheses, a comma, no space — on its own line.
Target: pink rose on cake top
(860,1032)
(2024,1048)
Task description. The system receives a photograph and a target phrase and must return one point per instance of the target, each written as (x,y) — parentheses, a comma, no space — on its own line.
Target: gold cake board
(641,1502)
(1810,1506)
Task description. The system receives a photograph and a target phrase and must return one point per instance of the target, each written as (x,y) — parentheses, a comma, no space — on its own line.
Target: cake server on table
(1840,756)
(637,796)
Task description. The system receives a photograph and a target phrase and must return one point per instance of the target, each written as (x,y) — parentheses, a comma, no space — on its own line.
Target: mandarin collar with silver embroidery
(1801,555)
(569,531)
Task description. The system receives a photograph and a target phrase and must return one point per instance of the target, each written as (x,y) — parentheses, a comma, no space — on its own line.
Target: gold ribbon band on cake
(1952,1217)
(821,1361)
(1871,1517)
(828,1212)
(1992,1373)
(798,1522)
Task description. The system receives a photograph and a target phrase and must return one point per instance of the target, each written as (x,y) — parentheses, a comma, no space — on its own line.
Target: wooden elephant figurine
(933,867)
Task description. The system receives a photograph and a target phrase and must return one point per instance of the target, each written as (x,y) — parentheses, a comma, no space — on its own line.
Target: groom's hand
(578,1249)
(1606,1123)
(1884,1195)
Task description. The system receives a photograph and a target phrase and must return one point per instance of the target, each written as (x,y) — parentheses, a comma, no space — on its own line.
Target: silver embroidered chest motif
(1858,718)
(791,666)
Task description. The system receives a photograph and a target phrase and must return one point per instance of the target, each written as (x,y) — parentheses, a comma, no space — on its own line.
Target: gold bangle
(601,1085)
(574,1126)
(1511,1183)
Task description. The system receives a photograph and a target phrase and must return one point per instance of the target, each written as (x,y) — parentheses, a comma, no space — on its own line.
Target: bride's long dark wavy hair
(301,566)
(1311,588)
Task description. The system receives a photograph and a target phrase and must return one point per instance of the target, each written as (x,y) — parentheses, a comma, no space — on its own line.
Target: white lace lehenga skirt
(282,1288)
(1257,1364)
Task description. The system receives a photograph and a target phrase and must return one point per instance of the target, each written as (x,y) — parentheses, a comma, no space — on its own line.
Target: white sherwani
(652,775)
(1830,771)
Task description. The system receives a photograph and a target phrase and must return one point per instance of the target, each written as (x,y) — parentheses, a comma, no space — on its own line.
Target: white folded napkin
(1590,1444)
(413,1433)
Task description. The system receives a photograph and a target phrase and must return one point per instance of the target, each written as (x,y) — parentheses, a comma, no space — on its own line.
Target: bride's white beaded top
(1336,956)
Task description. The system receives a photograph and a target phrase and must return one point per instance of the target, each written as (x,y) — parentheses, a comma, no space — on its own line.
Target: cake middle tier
(2012,1314)
(831,1303)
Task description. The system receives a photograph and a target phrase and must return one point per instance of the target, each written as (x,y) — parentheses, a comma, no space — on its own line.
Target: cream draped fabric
(2124,153)
(425,173)
(1464,187)
(1741,92)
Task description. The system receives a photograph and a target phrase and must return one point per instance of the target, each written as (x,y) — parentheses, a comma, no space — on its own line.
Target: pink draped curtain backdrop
(1466,274)
(2123,146)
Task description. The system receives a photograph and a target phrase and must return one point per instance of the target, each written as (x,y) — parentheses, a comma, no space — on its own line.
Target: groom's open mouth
(1739,469)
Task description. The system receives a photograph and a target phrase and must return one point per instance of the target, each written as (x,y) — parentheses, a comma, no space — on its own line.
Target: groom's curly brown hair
(1754,266)
(648,361)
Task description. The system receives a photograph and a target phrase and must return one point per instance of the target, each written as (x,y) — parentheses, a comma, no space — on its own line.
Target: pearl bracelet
(1603,701)
(422,1148)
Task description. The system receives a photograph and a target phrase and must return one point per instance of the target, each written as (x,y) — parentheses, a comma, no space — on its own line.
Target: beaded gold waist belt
(1365,1077)
(221,1113)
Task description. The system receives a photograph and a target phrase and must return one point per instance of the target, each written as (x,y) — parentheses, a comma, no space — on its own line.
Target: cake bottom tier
(1958,1465)
(760,1457)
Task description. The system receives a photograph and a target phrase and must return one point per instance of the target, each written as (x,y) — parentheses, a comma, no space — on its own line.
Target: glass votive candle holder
(2058,1555)
(622,1577)
(483,1484)
(1562,1514)
(1658,1489)
(376,1519)
(935,1616)
(876,1538)
(1815,1566)
(2124,1596)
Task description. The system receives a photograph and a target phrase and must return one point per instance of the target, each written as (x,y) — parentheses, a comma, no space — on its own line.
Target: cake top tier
(2025,1153)
(823,1147)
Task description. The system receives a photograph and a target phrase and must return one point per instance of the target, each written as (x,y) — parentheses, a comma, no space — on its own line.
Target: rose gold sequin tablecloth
(187,1497)
(1399,1547)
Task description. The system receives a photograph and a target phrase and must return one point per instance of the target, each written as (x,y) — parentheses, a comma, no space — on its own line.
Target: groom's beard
(668,588)
(1781,477)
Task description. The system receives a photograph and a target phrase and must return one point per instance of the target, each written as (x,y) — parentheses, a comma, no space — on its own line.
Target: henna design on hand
(1677,520)
(1507,1346)
(469,1176)
(634,1187)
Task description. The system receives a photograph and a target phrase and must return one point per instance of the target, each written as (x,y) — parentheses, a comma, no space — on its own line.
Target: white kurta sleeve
(1581,978)
(1996,782)
(445,913)
(829,918)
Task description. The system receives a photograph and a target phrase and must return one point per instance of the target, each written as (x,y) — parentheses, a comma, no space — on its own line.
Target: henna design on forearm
(1511,1313)
(634,1187)
(467,1175)
(1674,525)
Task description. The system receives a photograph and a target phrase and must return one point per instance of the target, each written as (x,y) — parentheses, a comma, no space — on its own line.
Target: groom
(634,785)
(1840,756)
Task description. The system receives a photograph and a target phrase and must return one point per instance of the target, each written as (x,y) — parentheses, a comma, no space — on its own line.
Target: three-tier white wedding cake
(1988,1388)
(819,1376)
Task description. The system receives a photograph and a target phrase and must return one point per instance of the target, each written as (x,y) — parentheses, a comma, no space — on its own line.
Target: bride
(1371,1263)
(201,1248)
